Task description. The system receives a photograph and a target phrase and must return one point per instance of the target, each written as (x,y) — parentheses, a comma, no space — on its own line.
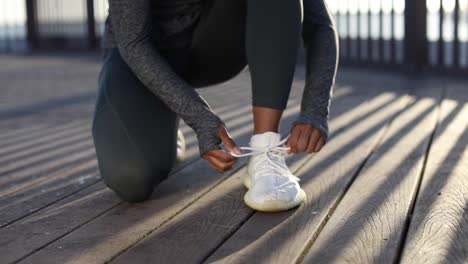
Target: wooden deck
(390,186)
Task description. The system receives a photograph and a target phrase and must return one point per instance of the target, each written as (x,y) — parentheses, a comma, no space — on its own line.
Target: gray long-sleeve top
(128,28)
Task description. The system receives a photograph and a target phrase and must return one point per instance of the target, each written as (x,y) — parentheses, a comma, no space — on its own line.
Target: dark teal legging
(135,134)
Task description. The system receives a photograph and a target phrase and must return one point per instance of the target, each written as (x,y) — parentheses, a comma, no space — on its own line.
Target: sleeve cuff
(208,137)
(318,122)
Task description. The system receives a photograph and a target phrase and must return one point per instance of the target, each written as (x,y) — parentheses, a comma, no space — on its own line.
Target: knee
(133,195)
(132,186)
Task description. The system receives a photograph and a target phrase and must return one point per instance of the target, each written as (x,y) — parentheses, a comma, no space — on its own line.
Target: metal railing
(415,34)
(13,26)
(403,34)
(51,24)
(448,33)
(371,31)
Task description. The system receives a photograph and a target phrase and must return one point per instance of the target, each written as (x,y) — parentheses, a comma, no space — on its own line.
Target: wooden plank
(127,224)
(368,224)
(34,150)
(46,194)
(281,238)
(31,176)
(36,231)
(192,235)
(438,231)
(45,156)
(25,132)
(45,188)
(67,182)
(184,183)
(23,138)
(101,237)
(182,189)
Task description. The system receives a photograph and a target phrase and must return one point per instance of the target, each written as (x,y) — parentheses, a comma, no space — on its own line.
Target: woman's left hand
(305,138)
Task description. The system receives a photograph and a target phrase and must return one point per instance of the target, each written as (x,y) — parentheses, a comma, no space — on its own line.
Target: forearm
(179,96)
(132,28)
(321,56)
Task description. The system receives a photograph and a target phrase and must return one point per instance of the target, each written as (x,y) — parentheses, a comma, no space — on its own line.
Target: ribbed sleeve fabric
(321,58)
(131,28)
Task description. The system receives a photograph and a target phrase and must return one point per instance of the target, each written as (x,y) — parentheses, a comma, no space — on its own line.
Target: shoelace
(270,153)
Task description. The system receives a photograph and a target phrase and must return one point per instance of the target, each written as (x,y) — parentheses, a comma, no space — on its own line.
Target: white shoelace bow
(270,153)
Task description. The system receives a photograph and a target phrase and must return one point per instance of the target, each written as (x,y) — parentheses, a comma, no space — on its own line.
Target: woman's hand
(221,160)
(305,138)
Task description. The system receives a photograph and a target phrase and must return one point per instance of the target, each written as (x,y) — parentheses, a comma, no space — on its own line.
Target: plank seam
(234,230)
(44,178)
(79,226)
(49,204)
(414,199)
(72,193)
(63,235)
(174,215)
(377,144)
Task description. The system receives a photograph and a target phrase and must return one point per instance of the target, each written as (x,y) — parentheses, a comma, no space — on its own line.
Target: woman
(158,51)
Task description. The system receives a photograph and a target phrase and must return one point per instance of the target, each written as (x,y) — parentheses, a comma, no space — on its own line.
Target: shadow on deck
(390,185)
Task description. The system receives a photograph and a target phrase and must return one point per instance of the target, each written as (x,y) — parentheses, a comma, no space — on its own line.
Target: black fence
(27,25)
(411,34)
(371,32)
(399,34)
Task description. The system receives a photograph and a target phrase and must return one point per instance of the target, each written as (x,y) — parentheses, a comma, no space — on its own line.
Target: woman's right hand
(221,160)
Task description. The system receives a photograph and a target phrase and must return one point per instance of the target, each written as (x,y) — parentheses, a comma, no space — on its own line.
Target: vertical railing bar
(31,24)
(52,14)
(358,32)
(369,33)
(1,35)
(7,28)
(381,39)
(57,25)
(465,43)
(97,22)
(62,27)
(392,34)
(46,17)
(16,36)
(415,41)
(9,31)
(348,30)
(91,21)
(16,26)
(456,44)
(440,60)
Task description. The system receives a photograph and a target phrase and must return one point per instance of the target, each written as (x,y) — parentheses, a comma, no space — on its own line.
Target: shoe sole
(271,206)
(275,206)
(247,182)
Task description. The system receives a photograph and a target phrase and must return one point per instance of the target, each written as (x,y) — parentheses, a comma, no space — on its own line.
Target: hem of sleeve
(318,122)
(209,139)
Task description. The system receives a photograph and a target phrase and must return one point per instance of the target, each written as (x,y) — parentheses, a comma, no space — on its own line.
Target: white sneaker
(272,186)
